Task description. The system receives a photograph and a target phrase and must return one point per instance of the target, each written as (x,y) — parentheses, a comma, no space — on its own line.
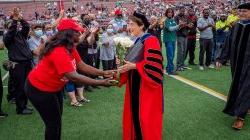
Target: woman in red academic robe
(143,76)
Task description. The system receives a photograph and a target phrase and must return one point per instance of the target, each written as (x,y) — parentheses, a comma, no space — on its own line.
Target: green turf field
(189,113)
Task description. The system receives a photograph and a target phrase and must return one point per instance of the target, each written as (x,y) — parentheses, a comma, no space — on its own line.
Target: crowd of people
(74,52)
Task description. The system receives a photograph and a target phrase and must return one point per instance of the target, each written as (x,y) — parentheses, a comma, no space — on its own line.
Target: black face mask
(181,14)
(206,16)
(223,19)
(86,22)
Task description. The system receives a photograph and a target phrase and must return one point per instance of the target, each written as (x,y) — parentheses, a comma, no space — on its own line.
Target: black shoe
(12,101)
(3,115)
(192,63)
(180,69)
(173,73)
(25,112)
(29,108)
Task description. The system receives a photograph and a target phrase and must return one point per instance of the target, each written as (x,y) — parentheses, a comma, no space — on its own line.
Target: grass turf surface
(189,114)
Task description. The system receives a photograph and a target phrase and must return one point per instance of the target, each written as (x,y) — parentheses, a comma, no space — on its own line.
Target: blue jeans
(170,51)
(70,87)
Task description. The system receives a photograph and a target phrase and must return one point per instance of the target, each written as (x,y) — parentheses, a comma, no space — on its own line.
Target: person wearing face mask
(107,51)
(36,42)
(49,31)
(20,57)
(118,23)
(205,25)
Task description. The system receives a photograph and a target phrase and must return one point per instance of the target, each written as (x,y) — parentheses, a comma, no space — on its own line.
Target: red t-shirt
(48,75)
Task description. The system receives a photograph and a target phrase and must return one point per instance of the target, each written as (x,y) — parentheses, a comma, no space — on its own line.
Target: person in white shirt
(205,25)
(118,23)
(107,51)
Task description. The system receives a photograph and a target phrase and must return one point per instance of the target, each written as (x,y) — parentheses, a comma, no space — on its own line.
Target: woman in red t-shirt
(58,64)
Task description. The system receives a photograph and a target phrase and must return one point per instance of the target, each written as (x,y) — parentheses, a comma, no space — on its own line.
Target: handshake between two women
(112,77)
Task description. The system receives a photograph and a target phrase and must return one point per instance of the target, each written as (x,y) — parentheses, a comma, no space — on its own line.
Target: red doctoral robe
(143,105)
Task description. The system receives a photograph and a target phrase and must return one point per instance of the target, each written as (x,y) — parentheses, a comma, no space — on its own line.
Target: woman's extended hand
(127,67)
(106,82)
(109,73)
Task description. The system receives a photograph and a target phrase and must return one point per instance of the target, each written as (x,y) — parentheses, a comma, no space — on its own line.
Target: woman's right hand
(106,82)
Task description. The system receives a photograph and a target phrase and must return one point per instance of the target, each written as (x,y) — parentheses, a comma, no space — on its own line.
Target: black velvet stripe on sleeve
(156,79)
(154,60)
(153,68)
(155,52)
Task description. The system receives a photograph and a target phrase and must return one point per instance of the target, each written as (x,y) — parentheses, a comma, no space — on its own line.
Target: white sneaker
(211,66)
(201,68)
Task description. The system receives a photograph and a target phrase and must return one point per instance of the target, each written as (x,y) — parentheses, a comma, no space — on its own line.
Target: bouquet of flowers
(122,43)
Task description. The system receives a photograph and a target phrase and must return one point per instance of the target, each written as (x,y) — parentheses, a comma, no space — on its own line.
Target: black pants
(191,49)
(91,59)
(108,64)
(19,75)
(49,106)
(98,61)
(1,91)
(205,47)
(11,88)
(135,100)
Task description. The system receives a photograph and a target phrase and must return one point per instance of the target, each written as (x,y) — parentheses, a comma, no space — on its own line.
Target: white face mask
(110,31)
(38,33)
(49,33)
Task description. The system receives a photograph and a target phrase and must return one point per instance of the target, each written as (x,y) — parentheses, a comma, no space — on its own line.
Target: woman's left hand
(127,67)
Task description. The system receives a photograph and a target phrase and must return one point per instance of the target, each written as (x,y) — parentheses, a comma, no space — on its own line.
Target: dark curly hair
(65,38)
(169,10)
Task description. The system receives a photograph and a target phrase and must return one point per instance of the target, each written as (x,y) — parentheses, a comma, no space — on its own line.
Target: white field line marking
(200,87)
(5,76)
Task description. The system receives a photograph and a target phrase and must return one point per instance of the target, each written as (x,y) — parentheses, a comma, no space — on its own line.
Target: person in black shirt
(20,55)
(154,28)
